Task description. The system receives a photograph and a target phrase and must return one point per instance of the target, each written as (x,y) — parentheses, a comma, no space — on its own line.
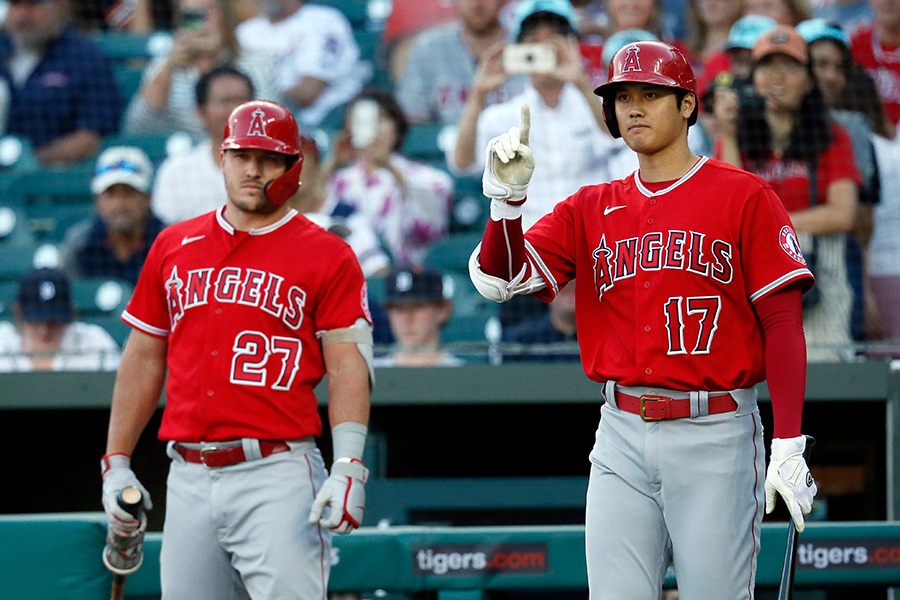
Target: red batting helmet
(652,62)
(265,125)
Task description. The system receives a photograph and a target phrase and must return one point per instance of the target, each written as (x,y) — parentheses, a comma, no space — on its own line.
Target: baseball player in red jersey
(689,282)
(246,308)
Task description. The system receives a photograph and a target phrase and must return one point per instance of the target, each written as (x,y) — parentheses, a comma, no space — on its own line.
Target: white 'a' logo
(632,63)
(258,124)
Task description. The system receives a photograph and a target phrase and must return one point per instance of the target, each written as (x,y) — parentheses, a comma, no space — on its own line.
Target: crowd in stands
(803,93)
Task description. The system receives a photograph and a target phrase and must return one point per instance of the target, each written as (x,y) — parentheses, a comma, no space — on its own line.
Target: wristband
(501,210)
(348,440)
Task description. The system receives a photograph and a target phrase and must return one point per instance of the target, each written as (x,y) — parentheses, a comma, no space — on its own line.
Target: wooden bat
(786,589)
(132,500)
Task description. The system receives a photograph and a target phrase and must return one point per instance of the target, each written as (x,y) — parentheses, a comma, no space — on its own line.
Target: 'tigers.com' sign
(473,559)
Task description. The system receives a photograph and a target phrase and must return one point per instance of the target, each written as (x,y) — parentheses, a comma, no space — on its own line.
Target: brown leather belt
(660,408)
(223,456)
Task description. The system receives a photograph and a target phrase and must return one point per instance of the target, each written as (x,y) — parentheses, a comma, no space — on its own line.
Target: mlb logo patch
(791,245)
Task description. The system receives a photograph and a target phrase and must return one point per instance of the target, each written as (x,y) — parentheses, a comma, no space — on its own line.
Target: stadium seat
(422,143)
(123,46)
(128,79)
(8,291)
(452,253)
(469,328)
(49,222)
(15,261)
(14,229)
(100,296)
(52,185)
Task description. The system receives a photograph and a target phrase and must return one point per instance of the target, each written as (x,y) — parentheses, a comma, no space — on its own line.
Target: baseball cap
(122,164)
(529,8)
(783,39)
(44,295)
(746,31)
(416,284)
(619,39)
(817,29)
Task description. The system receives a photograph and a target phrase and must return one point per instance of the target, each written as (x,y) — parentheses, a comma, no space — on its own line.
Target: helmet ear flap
(282,188)
(609,116)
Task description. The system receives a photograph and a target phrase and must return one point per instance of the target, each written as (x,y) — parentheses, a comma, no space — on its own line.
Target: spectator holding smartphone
(568,133)
(406,203)
(204,40)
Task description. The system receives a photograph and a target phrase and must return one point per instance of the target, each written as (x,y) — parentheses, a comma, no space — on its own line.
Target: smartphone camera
(364,123)
(529,58)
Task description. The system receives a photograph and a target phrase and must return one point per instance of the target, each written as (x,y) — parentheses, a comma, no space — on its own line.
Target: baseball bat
(786,589)
(132,500)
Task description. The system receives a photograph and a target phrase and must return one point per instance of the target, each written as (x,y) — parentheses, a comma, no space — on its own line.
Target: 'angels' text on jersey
(683,250)
(250,287)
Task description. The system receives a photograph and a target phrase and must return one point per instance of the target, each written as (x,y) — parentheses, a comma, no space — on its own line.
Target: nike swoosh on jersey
(609,209)
(188,240)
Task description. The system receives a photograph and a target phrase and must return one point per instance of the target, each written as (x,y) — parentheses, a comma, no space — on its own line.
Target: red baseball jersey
(882,62)
(243,312)
(674,275)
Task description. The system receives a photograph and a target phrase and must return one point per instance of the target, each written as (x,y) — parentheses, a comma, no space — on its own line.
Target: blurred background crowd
(111,113)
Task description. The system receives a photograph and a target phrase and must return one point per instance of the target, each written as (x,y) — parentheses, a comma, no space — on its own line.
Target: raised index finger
(524,124)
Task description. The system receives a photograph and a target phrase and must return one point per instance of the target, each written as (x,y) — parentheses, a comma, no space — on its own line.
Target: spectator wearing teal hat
(853,101)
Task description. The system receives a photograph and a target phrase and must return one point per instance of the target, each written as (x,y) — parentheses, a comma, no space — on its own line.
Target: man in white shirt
(191,184)
(317,60)
(568,132)
(45,337)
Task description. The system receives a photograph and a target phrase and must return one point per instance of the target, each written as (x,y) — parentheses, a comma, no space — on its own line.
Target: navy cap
(45,295)
(416,284)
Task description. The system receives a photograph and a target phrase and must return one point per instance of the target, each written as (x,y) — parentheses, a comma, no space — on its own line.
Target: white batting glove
(789,476)
(509,163)
(344,495)
(117,475)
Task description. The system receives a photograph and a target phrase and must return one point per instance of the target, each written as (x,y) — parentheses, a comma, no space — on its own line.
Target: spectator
(785,12)
(592,19)
(406,203)
(46,337)
(851,14)
(191,184)
(637,14)
(568,131)
(353,229)
(852,98)
(735,57)
(116,241)
(204,40)
(419,304)
(709,26)
(557,327)
(786,137)
(437,81)
(877,49)
(317,60)
(63,94)
(408,18)
(884,246)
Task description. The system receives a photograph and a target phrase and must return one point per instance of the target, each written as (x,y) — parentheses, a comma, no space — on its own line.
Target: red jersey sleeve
(344,299)
(148,308)
(771,256)
(550,246)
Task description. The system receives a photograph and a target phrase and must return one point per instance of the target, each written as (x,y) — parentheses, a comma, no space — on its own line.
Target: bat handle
(131,499)
(118,587)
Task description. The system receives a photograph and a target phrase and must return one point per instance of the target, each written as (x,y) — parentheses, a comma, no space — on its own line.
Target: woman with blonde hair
(205,39)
